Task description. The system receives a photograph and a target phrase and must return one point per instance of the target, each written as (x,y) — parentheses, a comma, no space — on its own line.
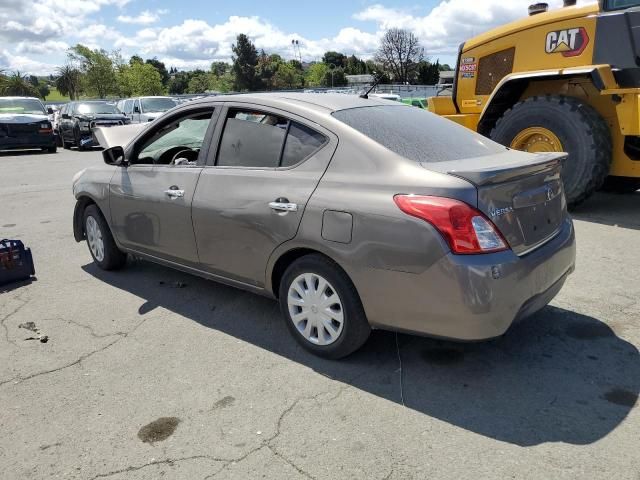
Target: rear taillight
(466,230)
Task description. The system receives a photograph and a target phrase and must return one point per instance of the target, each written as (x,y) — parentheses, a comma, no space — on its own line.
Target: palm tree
(68,81)
(16,84)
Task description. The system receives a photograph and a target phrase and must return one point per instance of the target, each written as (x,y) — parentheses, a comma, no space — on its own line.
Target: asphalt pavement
(149,373)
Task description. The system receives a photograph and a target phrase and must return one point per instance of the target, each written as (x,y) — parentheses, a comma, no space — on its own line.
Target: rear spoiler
(509,171)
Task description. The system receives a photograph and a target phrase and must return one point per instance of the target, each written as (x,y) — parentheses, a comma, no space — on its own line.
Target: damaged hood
(121,135)
(22,118)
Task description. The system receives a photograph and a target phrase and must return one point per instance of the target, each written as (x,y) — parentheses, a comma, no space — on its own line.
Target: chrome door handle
(174,193)
(283,206)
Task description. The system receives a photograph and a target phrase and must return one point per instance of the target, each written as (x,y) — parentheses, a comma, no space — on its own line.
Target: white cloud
(451,22)
(43,28)
(10,62)
(146,17)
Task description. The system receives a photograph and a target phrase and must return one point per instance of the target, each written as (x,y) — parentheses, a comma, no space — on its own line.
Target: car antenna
(376,81)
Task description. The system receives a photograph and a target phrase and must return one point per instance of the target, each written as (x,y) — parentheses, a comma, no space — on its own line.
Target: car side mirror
(136,109)
(50,111)
(114,156)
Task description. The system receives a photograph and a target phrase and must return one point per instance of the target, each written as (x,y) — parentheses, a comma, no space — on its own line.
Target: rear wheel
(53,149)
(557,123)
(322,308)
(65,144)
(621,184)
(103,248)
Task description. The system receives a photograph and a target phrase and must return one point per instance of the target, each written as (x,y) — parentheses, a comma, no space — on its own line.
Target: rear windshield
(21,105)
(95,107)
(157,104)
(417,134)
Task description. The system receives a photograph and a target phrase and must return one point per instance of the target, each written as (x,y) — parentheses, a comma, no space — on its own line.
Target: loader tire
(581,132)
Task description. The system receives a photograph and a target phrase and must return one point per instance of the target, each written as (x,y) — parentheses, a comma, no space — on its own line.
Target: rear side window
(301,143)
(417,134)
(263,140)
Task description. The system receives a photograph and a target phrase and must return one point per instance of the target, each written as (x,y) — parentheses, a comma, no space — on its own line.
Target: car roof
(321,102)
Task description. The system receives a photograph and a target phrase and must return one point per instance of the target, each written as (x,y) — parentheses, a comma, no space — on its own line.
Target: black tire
(583,133)
(65,144)
(77,138)
(355,329)
(53,149)
(58,140)
(621,185)
(114,258)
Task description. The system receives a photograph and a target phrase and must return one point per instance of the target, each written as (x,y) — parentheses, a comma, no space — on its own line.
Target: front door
(151,199)
(252,195)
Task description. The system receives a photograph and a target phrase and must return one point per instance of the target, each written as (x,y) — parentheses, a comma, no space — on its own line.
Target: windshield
(417,134)
(22,105)
(620,4)
(95,107)
(157,104)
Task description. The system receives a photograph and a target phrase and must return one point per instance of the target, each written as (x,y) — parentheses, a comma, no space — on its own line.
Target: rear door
(151,199)
(252,194)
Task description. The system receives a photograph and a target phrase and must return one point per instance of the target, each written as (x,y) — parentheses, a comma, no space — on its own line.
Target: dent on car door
(252,195)
(151,198)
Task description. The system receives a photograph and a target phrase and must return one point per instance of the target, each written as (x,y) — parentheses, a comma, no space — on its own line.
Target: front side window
(178,142)
(263,140)
(128,104)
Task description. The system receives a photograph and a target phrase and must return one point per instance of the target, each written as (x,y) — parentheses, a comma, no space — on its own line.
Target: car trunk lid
(520,193)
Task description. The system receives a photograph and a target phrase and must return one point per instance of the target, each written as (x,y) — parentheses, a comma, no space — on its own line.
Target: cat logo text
(570,42)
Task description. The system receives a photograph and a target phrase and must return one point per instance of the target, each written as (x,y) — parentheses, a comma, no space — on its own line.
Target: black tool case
(16,263)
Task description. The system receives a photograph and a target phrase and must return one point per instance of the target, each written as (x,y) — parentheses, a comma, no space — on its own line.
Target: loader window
(416,134)
(620,4)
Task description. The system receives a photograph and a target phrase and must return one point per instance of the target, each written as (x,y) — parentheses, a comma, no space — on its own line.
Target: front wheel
(322,308)
(102,247)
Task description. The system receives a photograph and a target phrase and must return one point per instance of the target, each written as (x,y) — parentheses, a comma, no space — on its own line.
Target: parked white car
(145,109)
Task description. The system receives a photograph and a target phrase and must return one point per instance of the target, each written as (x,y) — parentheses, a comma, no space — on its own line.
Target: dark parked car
(77,119)
(355,213)
(24,123)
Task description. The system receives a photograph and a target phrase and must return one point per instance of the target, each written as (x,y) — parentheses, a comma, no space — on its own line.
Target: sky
(187,34)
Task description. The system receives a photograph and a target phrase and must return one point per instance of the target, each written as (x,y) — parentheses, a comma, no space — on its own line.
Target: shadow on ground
(622,210)
(556,377)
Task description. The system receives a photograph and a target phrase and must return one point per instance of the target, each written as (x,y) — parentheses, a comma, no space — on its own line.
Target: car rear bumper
(469,298)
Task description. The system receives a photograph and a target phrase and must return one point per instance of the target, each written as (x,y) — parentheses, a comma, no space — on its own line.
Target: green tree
(68,81)
(355,66)
(139,79)
(245,61)
(222,83)
(43,89)
(199,83)
(336,59)
(317,74)
(16,84)
(219,68)
(135,59)
(267,68)
(179,83)
(287,76)
(335,77)
(428,73)
(98,69)
(162,69)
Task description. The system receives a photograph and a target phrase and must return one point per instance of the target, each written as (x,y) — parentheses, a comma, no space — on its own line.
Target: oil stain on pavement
(158,430)
(621,397)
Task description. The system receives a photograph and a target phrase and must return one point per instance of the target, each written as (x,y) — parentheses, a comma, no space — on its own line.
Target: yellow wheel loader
(562,80)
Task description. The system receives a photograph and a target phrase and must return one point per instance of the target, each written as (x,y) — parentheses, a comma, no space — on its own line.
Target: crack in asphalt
(11,314)
(121,336)
(168,461)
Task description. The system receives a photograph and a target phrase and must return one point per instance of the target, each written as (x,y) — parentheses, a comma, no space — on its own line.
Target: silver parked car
(145,109)
(354,213)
